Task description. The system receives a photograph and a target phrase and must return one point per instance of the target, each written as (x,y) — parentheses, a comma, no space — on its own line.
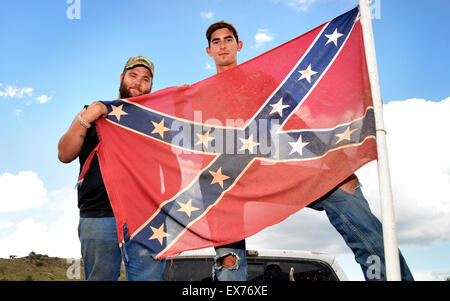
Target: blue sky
(53,64)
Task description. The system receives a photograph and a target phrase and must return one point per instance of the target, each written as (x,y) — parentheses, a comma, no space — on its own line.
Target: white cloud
(420,172)
(21,192)
(263,36)
(43,98)
(209,67)
(19,93)
(54,234)
(57,237)
(4,225)
(14,92)
(439,275)
(207,15)
(27,91)
(297,5)
(420,168)
(9,91)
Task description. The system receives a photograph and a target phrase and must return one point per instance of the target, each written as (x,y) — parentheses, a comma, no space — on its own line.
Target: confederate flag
(220,160)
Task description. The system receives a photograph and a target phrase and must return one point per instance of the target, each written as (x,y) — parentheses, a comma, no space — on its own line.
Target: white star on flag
(333,37)
(249,144)
(159,128)
(204,139)
(307,73)
(159,234)
(298,146)
(187,207)
(279,107)
(346,135)
(117,111)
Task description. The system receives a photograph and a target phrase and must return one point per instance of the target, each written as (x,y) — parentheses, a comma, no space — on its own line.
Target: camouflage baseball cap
(140,61)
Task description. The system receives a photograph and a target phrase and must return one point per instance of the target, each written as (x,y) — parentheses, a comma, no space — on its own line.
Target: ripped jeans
(103,257)
(238,272)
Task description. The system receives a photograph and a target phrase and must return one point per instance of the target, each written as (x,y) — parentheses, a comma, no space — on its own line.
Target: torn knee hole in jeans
(229,260)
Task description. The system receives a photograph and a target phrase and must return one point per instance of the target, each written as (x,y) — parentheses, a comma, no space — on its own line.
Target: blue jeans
(362,231)
(102,256)
(238,272)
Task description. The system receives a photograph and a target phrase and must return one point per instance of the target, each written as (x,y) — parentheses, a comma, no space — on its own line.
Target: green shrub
(39,263)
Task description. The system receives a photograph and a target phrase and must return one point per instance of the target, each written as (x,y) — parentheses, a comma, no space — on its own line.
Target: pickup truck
(263,265)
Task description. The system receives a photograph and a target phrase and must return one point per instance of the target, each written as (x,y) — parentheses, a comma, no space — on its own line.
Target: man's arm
(70,144)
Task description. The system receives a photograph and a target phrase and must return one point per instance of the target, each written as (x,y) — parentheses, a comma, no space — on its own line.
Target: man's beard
(124,91)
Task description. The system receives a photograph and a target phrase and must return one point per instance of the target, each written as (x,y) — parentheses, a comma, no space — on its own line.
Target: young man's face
(224,48)
(135,82)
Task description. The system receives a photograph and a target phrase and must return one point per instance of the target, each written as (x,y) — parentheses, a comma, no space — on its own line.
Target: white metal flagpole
(384,179)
